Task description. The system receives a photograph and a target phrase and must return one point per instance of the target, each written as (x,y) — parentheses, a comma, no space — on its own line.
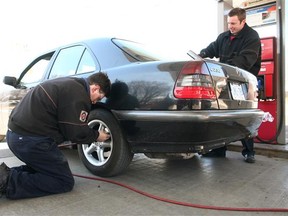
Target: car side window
(86,64)
(66,62)
(36,73)
(71,61)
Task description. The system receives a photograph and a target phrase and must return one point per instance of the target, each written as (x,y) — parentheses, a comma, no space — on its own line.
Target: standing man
(53,112)
(239,46)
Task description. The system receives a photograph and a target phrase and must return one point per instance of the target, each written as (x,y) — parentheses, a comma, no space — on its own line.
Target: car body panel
(191,130)
(152,118)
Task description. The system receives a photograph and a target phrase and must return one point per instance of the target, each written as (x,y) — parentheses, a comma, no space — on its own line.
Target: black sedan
(161,107)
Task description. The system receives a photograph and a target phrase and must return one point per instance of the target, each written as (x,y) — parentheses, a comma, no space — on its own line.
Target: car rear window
(142,52)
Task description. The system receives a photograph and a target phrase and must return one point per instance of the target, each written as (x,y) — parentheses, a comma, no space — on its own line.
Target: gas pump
(267,83)
(267,18)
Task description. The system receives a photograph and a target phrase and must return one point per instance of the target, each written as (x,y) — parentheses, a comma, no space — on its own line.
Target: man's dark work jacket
(244,51)
(57,109)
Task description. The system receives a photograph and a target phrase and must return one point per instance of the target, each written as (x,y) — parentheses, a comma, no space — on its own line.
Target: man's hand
(103,136)
(202,54)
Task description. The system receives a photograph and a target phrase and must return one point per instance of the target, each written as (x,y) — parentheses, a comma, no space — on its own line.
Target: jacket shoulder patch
(83,116)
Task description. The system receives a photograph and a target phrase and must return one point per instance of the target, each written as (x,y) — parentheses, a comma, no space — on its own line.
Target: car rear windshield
(143,52)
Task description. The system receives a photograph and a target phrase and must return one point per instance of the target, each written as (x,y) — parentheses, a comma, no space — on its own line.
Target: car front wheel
(110,157)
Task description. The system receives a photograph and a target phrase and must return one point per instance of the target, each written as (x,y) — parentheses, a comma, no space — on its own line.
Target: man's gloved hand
(202,54)
(103,136)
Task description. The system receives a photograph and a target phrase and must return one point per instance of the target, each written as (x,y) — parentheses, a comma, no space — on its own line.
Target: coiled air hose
(187,204)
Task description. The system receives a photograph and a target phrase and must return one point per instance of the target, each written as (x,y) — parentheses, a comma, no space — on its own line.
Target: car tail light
(194,82)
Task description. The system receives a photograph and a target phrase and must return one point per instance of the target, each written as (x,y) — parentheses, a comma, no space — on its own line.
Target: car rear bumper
(187,131)
(189,116)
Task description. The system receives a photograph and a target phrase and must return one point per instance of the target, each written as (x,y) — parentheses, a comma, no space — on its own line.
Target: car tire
(107,158)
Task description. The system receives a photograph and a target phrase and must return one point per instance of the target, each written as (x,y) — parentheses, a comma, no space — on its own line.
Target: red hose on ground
(185,203)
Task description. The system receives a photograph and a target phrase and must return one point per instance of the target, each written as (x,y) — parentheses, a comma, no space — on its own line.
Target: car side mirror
(8,80)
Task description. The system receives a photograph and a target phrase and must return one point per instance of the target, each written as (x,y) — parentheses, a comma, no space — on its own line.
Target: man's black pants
(46,171)
(248,147)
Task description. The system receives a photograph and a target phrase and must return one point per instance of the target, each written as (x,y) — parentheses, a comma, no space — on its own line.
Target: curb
(269,150)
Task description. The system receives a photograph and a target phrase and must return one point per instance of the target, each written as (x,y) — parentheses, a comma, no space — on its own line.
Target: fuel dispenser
(269,19)
(267,86)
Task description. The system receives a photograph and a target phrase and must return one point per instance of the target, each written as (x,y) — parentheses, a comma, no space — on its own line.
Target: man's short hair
(102,80)
(239,12)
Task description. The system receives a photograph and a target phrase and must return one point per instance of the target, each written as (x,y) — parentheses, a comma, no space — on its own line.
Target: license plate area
(238,90)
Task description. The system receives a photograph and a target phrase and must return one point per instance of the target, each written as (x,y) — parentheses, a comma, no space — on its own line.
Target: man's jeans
(248,147)
(46,171)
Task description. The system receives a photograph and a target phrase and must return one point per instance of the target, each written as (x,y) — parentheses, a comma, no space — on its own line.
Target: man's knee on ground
(68,184)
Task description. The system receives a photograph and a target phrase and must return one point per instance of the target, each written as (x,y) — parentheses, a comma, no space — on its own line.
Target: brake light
(194,82)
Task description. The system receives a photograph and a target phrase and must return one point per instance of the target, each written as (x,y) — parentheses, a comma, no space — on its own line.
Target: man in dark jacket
(239,46)
(53,112)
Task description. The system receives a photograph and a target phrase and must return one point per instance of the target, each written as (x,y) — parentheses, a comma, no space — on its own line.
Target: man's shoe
(4,174)
(250,159)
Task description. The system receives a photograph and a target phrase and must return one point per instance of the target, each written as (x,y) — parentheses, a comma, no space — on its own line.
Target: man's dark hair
(102,80)
(239,12)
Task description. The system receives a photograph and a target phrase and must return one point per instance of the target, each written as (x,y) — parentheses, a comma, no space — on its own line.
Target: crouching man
(53,112)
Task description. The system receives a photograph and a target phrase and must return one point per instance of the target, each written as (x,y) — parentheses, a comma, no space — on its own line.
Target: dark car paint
(152,119)
(185,131)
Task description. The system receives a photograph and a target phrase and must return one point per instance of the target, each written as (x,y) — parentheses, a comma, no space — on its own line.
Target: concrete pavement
(218,182)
